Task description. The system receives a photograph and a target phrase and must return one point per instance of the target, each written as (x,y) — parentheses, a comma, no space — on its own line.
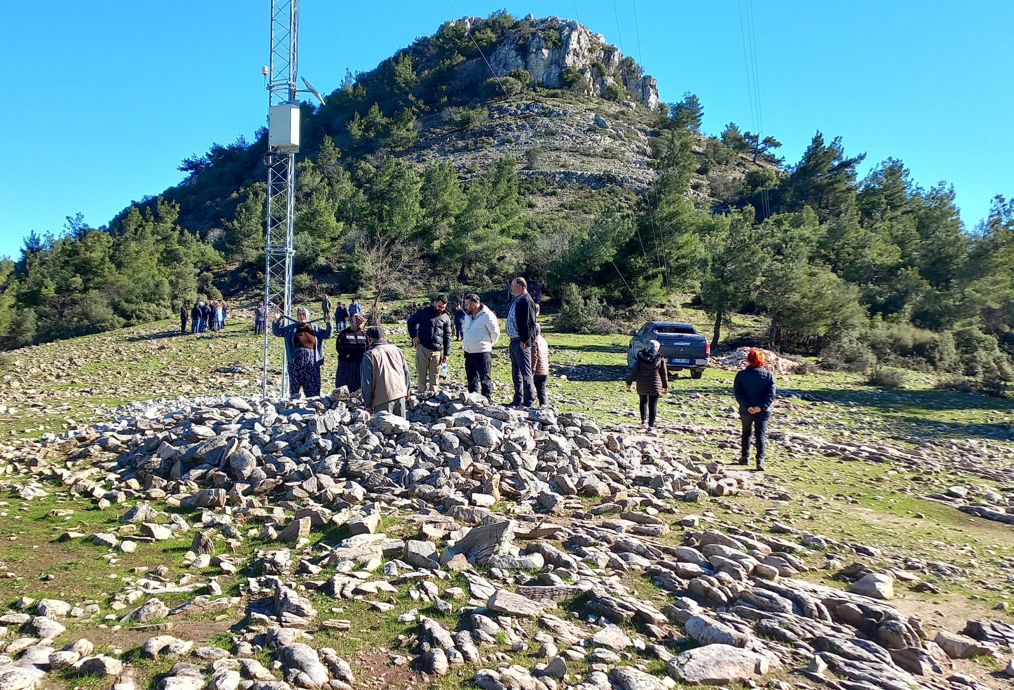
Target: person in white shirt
(482,330)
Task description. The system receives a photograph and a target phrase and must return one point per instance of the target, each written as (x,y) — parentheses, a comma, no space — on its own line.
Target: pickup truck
(682,346)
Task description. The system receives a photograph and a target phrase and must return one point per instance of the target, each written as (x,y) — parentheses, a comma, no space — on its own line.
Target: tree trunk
(772,333)
(718,330)
(375,310)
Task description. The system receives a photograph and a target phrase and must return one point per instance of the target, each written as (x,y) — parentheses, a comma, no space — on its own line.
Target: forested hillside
(432,172)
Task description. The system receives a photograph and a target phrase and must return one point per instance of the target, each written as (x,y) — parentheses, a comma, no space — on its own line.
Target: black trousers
(540,389)
(757,424)
(649,408)
(478,366)
(183,325)
(521,374)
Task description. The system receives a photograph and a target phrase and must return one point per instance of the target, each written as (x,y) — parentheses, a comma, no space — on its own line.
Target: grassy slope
(854,502)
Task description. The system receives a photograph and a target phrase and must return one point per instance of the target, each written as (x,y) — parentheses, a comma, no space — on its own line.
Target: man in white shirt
(481,333)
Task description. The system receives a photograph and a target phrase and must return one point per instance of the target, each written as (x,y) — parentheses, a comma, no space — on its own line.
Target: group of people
(202,316)
(368,363)
(753,386)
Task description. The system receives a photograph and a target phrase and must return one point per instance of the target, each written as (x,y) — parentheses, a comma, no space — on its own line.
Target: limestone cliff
(546,47)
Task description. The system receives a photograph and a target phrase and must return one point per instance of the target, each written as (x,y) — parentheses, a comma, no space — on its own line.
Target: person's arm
(447,338)
(494,327)
(664,374)
(522,316)
(739,391)
(634,371)
(769,394)
(413,327)
(408,378)
(366,374)
(277,329)
(327,331)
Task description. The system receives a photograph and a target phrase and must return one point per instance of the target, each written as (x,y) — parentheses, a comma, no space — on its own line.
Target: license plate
(676,360)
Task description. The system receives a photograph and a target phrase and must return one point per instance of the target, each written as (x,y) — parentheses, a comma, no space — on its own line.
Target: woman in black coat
(755,393)
(652,379)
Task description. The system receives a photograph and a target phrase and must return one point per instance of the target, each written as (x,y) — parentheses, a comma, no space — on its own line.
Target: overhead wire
(468,33)
(619,33)
(748,34)
(637,32)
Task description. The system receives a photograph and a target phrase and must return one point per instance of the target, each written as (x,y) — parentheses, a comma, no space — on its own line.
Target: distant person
(386,381)
(354,307)
(304,349)
(652,377)
(260,318)
(540,365)
(341,316)
(184,316)
(196,314)
(213,318)
(755,392)
(220,314)
(351,345)
(535,290)
(481,331)
(206,313)
(325,305)
(521,329)
(430,330)
(459,321)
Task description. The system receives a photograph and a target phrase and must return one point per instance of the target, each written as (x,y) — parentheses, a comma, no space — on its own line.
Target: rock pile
(736,360)
(550,519)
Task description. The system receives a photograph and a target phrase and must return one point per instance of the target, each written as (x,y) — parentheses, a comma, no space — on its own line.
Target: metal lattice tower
(281,163)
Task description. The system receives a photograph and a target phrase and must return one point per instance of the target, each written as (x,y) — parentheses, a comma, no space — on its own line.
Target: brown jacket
(650,373)
(385,375)
(540,355)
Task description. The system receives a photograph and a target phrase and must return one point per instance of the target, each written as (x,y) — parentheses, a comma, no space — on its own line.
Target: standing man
(385,377)
(207,312)
(341,316)
(755,392)
(184,316)
(430,330)
(521,329)
(354,307)
(482,330)
(459,321)
(351,346)
(260,318)
(325,305)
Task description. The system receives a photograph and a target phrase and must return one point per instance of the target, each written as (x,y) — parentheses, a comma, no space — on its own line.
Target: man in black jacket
(521,329)
(184,317)
(755,392)
(430,330)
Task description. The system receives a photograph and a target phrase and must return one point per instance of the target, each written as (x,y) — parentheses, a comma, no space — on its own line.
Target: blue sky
(117,93)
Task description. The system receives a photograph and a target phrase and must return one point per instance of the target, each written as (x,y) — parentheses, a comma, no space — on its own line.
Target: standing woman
(652,380)
(304,348)
(755,393)
(351,345)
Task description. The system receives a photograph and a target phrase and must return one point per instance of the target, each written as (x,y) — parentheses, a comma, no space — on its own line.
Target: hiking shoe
(760,464)
(744,461)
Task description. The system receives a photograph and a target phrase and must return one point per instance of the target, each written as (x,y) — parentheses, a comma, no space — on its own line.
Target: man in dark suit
(521,329)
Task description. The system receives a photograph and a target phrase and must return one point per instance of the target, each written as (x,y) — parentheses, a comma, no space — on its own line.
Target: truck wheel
(696,373)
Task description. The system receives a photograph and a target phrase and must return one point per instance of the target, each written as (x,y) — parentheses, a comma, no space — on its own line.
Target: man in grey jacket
(385,377)
(521,329)
(481,332)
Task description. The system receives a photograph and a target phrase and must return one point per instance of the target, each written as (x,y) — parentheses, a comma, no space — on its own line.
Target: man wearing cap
(385,376)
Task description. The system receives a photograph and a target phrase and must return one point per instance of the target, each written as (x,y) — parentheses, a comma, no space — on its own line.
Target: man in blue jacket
(755,392)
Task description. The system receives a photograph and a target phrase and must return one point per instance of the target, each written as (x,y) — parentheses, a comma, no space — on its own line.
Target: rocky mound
(548,518)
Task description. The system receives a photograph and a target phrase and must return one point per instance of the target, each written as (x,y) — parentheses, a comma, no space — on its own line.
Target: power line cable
(619,33)
(637,32)
(468,33)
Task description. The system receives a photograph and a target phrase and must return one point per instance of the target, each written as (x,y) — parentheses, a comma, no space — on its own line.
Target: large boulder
(717,664)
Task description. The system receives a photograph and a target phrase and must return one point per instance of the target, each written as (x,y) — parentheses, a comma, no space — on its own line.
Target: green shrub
(572,79)
(914,348)
(883,377)
(500,87)
(533,158)
(552,38)
(301,283)
(582,313)
(980,355)
(22,329)
(846,353)
(615,92)
(523,76)
(470,118)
